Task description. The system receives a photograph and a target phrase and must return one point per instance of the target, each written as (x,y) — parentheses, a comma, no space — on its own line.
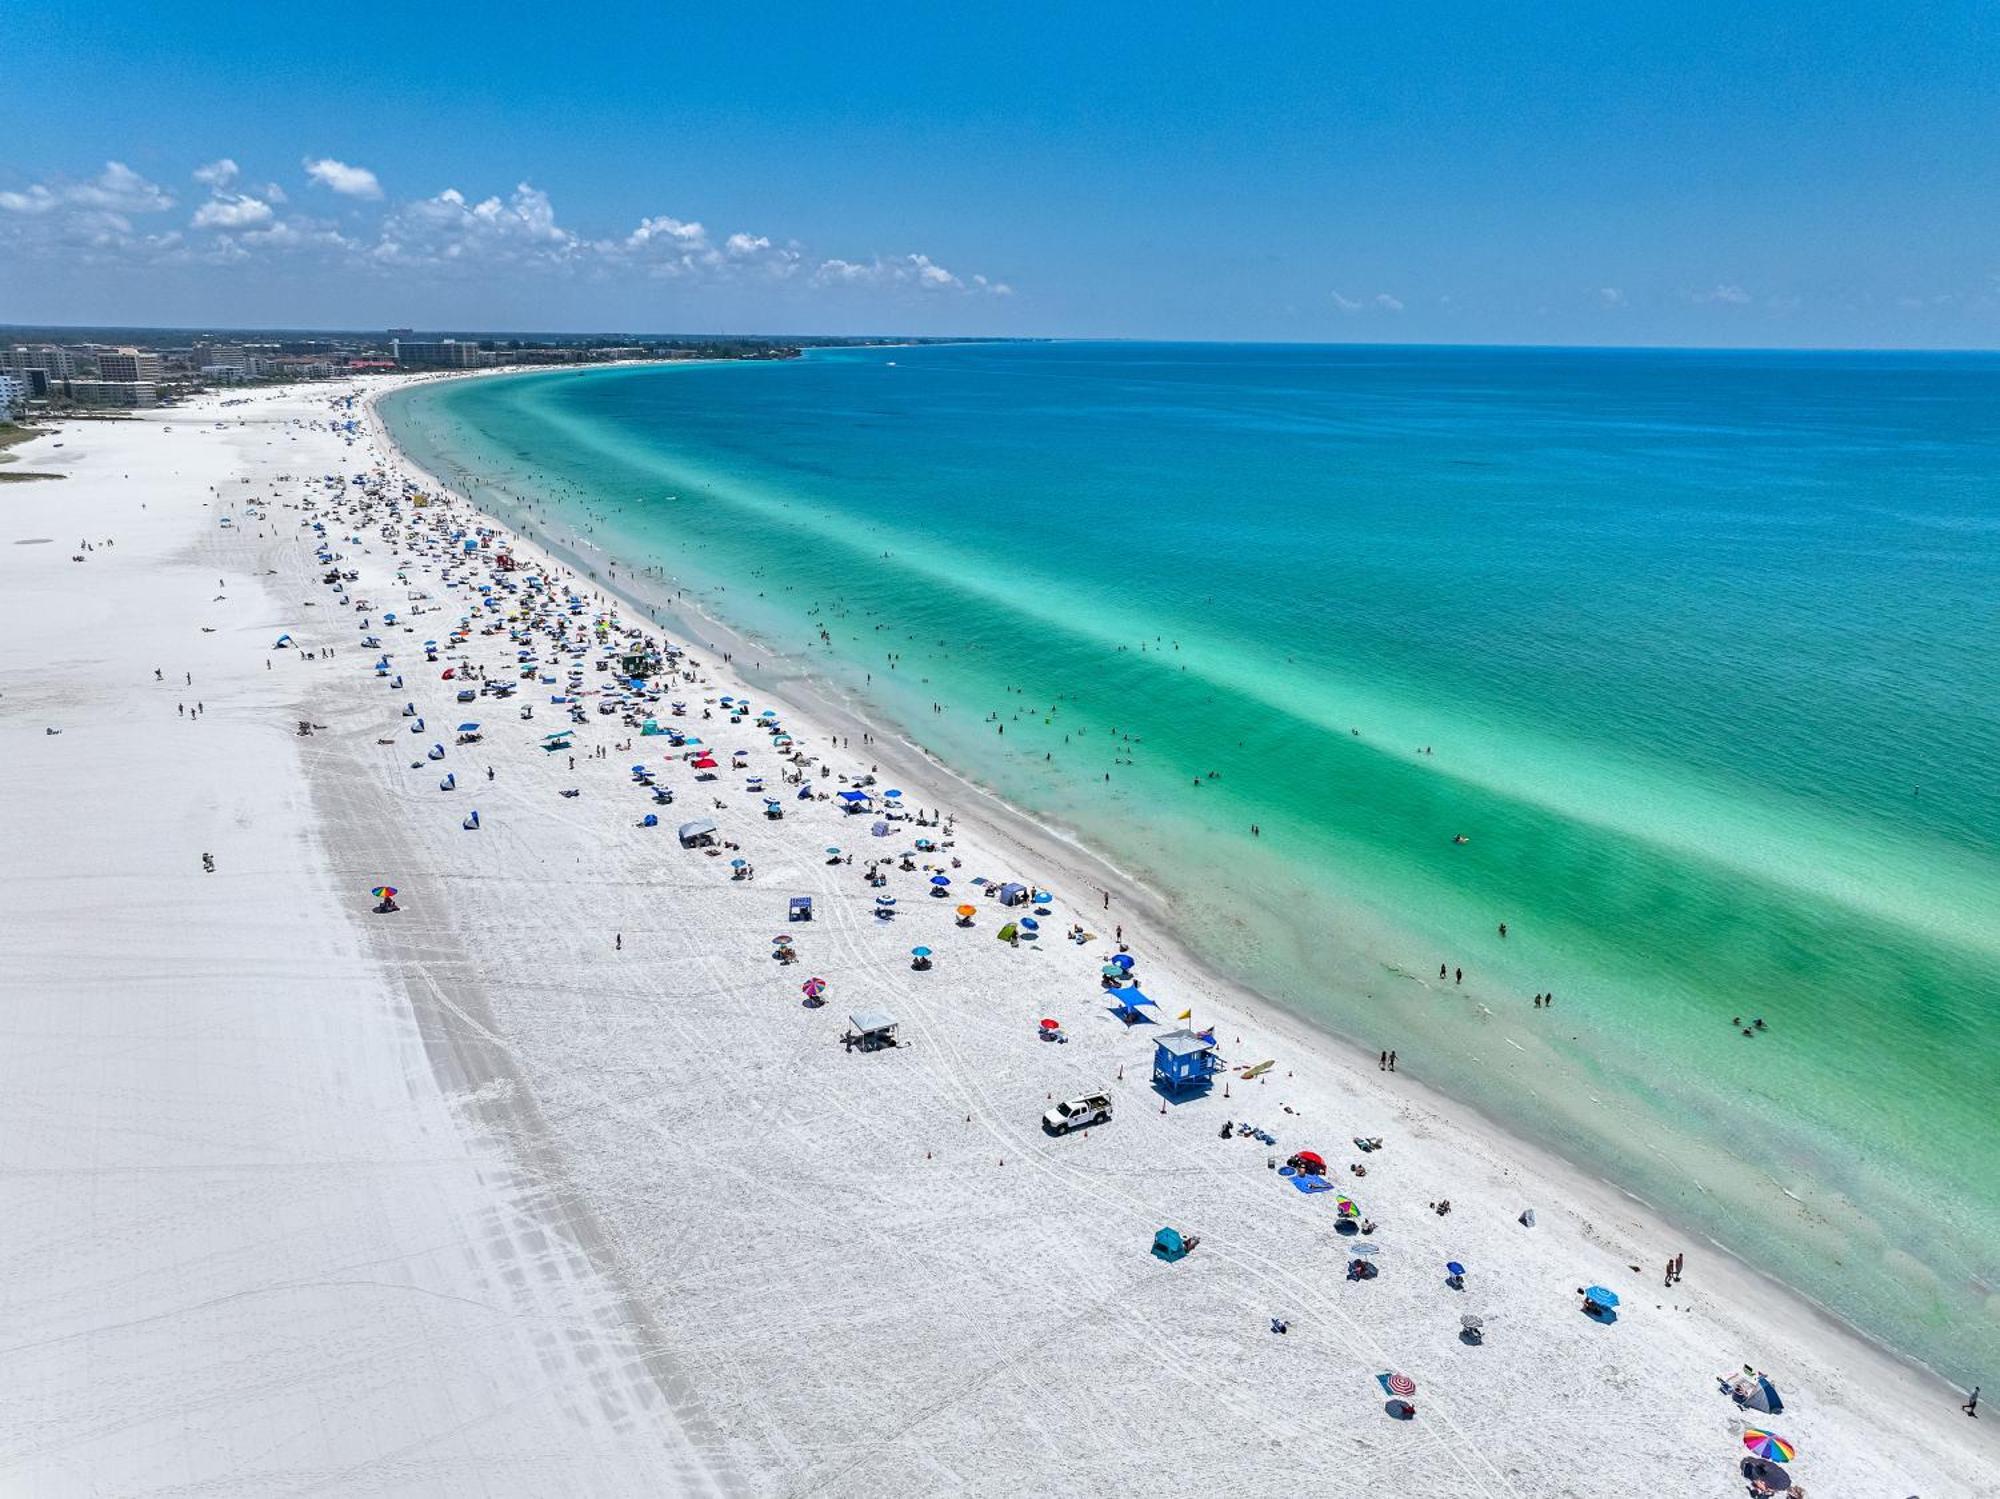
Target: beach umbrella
(1769,1446)
(739,863)
(1123,961)
(892,793)
(468,728)
(1471,1323)
(781,940)
(813,988)
(920,952)
(1313,1158)
(831,849)
(385,892)
(1112,971)
(1453,1267)
(1346,1207)
(1601,1296)
(940,880)
(1029,924)
(1366,1251)
(1401,1385)
(1049,1024)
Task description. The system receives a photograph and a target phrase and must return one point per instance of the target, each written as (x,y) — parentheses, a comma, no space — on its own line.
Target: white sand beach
(549,1182)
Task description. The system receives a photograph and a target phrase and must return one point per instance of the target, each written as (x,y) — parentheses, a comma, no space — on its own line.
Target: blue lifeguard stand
(1183,1060)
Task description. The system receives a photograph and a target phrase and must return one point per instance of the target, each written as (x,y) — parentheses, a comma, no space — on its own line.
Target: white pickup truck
(1078,1113)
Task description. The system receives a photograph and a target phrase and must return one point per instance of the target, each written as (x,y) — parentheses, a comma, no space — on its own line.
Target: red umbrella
(1051,1025)
(1311,1158)
(1403,1385)
(448,673)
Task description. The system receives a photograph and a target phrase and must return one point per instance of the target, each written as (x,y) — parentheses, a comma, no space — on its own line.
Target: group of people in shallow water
(1749,1028)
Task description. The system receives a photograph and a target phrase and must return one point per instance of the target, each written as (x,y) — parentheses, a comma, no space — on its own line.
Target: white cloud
(348,181)
(1380,302)
(117,190)
(912,270)
(1726,293)
(230,211)
(1610,296)
(447,229)
(449,233)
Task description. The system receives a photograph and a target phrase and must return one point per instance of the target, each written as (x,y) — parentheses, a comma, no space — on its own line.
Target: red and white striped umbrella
(1403,1385)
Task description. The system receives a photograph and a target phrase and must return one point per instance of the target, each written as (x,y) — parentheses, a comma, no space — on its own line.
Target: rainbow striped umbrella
(385,892)
(1769,1446)
(813,988)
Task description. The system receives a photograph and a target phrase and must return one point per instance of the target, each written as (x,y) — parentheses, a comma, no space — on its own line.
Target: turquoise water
(1702,648)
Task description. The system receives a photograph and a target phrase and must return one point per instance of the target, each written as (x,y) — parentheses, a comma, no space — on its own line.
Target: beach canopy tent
(1168,1245)
(872,1029)
(854,801)
(1128,1002)
(801,908)
(1181,1059)
(1013,895)
(698,833)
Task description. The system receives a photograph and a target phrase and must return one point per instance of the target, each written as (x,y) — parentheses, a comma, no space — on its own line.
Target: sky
(1691,173)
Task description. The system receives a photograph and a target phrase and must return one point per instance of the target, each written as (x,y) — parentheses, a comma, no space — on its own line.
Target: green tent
(1169,1245)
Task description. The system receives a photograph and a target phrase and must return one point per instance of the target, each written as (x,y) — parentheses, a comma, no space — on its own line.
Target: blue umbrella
(738,863)
(1124,961)
(1453,1267)
(940,880)
(892,793)
(1028,923)
(468,728)
(920,952)
(1601,1296)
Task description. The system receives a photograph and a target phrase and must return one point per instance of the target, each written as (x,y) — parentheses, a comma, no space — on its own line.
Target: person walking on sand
(1382,1062)
(620,944)
(1392,1061)
(1971,1406)
(1458,975)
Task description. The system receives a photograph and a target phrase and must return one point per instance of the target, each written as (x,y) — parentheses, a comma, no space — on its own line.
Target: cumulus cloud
(348,181)
(227,211)
(116,190)
(1610,296)
(913,270)
(447,228)
(449,233)
(1724,293)
(1380,302)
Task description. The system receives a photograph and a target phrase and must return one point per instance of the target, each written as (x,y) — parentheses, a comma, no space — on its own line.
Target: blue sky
(1685,173)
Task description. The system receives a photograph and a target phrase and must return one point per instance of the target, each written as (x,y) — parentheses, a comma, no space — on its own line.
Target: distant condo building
(13,394)
(229,361)
(115,392)
(49,358)
(444,353)
(129,366)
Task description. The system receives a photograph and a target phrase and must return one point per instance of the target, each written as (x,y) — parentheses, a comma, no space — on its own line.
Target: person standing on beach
(1382,1062)
(1392,1061)
(1971,1406)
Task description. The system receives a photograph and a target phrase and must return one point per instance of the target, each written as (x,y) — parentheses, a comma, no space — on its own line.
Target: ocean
(1682,665)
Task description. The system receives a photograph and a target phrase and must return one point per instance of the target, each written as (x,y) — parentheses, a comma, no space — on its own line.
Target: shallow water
(1702,647)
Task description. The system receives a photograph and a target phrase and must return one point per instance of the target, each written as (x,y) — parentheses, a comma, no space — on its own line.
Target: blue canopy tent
(1129,1001)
